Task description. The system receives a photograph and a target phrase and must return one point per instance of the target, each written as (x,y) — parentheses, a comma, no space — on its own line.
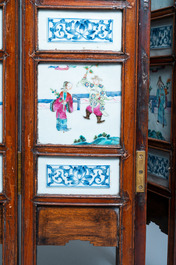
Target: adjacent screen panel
(86,176)
(80,30)
(79,104)
(160,98)
(158,4)
(161,37)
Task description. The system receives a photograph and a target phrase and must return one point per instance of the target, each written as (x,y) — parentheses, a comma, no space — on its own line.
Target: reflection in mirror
(158,4)
(76,253)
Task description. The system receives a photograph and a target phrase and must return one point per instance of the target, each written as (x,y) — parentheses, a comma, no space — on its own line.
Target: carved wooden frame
(9,145)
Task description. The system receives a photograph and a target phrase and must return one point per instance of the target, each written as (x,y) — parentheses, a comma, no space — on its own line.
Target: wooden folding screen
(80,60)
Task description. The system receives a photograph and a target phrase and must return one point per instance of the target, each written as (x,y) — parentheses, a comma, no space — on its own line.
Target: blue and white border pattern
(80,30)
(161,37)
(89,176)
(158,166)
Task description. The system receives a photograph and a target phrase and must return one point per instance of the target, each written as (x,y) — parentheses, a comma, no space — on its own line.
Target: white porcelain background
(51,78)
(165,73)
(114,176)
(43,43)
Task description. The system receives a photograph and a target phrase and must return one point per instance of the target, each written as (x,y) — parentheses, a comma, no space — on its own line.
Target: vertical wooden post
(142,120)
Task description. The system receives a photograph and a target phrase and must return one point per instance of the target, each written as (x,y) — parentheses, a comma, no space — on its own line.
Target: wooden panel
(1,225)
(57,226)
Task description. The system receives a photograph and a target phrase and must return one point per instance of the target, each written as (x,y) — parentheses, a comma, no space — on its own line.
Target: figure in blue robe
(161,101)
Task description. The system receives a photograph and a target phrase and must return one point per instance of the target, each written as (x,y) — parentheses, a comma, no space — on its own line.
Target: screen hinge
(140,171)
(19,173)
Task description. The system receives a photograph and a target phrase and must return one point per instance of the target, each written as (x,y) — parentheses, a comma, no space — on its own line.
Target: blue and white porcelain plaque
(78,176)
(80,30)
(161,37)
(92,176)
(158,163)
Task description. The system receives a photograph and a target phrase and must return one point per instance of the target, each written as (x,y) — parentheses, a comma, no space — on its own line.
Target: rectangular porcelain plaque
(158,167)
(161,37)
(79,104)
(84,30)
(78,176)
(159,122)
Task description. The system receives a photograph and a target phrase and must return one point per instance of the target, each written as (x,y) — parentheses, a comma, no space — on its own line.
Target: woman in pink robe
(61,105)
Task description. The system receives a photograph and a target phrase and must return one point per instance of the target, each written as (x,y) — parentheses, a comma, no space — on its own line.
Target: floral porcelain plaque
(85,30)
(160,96)
(79,104)
(90,176)
(161,37)
(158,167)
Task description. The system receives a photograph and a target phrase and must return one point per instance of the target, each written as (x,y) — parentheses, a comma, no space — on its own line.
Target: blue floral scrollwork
(161,37)
(158,166)
(78,176)
(80,30)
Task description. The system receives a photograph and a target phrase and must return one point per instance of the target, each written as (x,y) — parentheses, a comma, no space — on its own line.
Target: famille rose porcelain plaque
(90,176)
(84,30)
(160,95)
(79,104)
